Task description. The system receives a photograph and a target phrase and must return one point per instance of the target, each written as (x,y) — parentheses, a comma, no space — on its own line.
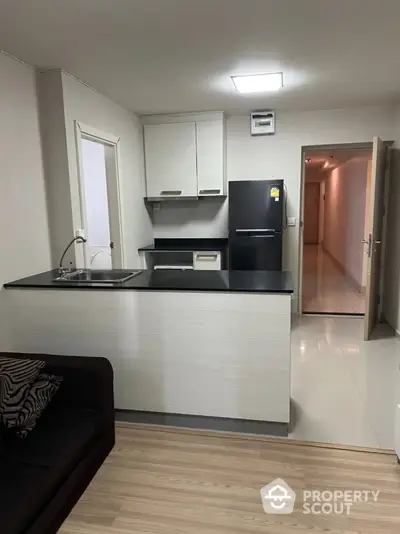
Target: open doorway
(99,195)
(337,189)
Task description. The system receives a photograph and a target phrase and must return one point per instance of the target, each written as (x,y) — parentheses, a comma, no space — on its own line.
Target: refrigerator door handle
(256,232)
(243,230)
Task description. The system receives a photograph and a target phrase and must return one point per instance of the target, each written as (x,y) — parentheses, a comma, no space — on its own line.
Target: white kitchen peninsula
(214,344)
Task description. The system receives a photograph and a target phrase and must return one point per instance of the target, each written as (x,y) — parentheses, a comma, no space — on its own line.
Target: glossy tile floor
(325,288)
(344,390)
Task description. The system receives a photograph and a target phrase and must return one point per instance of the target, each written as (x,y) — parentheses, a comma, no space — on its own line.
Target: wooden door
(311,213)
(373,237)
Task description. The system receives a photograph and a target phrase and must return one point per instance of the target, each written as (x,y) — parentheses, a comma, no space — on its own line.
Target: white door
(210,158)
(100,203)
(112,180)
(373,237)
(171,160)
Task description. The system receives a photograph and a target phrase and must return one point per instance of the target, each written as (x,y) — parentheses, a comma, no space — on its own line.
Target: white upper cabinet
(185,155)
(171,160)
(210,158)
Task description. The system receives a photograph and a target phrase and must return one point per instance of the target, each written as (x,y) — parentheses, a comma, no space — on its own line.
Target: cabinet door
(207,261)
(210,157)
(170,153)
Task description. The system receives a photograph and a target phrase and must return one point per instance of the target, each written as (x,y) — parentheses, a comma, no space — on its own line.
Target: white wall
(65,100)
(54,142)
(24,232)
(202,218)
(93,109)
(392,263)
(279,156)
(345,208)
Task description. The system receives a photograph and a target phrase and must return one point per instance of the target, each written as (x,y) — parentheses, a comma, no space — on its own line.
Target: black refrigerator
(256,214)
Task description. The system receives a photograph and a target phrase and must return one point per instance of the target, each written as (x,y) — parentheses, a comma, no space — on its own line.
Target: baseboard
(199,422)
(294,305)
(383,319)
(397,432)
(261,438)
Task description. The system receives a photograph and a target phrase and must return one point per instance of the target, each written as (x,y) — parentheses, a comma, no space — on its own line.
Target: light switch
(291,221)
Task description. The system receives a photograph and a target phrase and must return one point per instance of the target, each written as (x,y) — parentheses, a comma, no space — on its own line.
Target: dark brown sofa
(43,476)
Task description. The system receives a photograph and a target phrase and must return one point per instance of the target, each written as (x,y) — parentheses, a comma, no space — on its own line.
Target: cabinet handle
(213,256)
(175,193)
(209,191)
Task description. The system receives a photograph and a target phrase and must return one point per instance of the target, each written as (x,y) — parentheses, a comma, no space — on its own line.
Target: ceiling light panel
(258,83)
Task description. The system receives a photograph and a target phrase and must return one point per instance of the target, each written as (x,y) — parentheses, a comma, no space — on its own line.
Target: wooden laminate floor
(182,481)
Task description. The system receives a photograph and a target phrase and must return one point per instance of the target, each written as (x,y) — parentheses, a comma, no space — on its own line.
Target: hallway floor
(325,288)
(344,389)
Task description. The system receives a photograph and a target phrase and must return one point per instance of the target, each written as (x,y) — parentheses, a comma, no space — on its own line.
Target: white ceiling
(178,55)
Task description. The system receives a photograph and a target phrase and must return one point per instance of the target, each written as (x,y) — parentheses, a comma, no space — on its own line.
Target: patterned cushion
(37,400)
(16,378)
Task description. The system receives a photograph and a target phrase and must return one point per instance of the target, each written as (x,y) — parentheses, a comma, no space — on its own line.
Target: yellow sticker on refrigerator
(274,192)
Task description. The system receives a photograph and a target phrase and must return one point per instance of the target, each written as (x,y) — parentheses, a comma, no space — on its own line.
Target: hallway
(325,288)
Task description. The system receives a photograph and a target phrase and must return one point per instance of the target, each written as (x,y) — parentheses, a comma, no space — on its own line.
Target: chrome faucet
(62,270)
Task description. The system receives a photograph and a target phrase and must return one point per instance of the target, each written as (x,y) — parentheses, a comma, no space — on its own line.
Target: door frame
(84,131)
(304,150)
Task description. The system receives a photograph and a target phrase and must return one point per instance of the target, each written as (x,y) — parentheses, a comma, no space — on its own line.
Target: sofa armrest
(88,381)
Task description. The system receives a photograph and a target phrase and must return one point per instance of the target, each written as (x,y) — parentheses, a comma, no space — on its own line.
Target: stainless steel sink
(107,276)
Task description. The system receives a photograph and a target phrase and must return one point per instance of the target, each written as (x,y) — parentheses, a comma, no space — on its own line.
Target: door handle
(370,244)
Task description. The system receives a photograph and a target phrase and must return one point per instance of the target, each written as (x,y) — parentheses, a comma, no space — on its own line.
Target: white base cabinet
(218,354)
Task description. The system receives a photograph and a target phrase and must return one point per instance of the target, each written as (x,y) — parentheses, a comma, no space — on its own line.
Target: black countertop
(181,244)
(174,280)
